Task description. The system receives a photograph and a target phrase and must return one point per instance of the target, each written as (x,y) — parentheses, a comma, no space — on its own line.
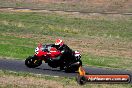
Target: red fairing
(40,52)
(54,52)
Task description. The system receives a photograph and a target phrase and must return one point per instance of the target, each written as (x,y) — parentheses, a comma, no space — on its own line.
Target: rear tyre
(73,68)
(32,62)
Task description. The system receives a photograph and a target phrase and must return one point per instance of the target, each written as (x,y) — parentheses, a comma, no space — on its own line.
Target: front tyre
(32,62)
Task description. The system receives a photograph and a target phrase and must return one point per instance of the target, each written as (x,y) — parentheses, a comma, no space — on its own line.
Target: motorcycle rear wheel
(73,69)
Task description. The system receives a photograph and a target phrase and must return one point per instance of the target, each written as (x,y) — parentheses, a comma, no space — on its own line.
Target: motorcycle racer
(66,52)
(63,48)
(59,44)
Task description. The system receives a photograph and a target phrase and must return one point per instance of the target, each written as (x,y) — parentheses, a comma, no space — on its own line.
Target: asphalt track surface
(19,66)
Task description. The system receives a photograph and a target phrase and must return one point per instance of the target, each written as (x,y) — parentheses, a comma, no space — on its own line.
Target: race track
(19,66)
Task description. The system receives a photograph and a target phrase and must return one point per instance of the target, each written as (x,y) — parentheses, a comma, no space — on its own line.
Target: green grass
(107,62)
(52,24)
(15,26)
(18,51)
(15,47)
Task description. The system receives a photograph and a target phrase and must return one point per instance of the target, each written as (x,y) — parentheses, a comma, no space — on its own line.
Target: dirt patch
(9,81)
(75,5)
(27,82)
(107,16)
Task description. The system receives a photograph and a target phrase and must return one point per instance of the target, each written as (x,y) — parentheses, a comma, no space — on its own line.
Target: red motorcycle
(47,53)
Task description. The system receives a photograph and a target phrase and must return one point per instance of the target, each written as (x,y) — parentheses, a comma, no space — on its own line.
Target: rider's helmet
(59,42)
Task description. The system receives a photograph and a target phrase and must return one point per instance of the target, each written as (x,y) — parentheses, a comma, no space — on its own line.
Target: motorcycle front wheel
(32,62)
